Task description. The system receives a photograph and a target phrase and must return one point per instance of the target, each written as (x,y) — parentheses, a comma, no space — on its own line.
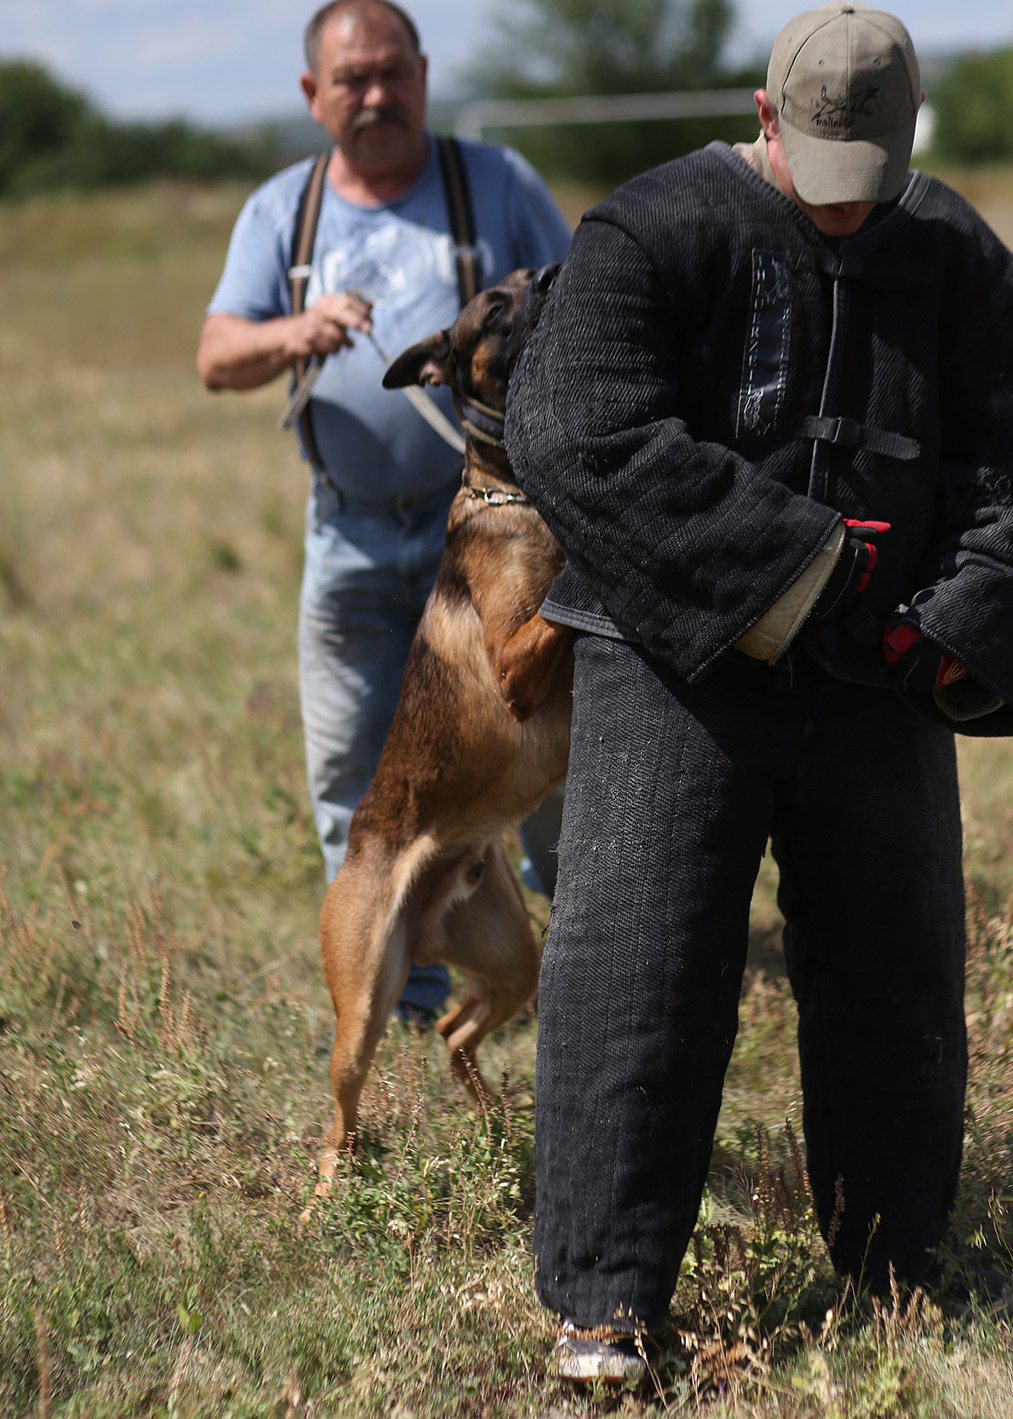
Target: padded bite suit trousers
(672,794)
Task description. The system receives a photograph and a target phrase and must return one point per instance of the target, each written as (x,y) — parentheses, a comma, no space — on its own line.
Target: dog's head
(476,354)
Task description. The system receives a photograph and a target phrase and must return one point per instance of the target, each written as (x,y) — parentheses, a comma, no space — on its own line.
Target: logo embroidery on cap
(837,115)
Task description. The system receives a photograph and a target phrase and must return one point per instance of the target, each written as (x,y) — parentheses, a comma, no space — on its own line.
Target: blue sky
(228,60)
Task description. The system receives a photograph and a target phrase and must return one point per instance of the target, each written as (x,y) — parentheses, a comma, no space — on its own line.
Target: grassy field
(163,1021)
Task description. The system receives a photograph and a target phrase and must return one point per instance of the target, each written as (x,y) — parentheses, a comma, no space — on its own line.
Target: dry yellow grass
(162,1010)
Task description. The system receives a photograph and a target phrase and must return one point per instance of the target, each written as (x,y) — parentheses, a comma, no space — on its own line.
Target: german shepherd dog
(481,734)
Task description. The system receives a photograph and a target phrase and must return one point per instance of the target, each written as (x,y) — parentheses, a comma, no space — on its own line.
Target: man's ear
(428,362)
(768,118)
(309,86)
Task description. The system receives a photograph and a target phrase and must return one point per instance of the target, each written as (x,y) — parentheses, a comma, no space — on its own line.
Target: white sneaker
(599,1354)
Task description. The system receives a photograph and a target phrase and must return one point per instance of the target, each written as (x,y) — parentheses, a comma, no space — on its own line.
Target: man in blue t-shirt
(383,265)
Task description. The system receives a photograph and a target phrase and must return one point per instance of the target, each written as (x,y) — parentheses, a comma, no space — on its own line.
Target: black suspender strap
(462,221)
(304,235)
(462,227)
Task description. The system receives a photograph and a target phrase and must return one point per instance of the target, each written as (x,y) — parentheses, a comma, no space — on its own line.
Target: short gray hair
(311,38)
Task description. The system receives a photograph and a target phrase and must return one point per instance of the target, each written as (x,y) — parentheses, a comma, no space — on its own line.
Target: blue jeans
(369,568)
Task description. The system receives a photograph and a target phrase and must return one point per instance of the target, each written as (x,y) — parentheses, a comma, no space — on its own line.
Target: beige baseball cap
(846,86)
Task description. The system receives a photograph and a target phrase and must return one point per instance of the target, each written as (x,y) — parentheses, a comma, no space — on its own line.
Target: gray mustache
(372,117)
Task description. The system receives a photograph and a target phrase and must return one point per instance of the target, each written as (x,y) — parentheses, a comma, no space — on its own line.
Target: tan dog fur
(480,736)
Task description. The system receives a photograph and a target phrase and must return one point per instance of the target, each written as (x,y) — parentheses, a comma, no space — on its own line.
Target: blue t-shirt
(401,257)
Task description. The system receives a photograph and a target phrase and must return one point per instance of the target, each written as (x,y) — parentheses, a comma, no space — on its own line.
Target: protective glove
(920,664)
(852,570)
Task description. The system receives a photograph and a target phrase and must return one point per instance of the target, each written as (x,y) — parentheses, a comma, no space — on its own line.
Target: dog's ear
(428,362)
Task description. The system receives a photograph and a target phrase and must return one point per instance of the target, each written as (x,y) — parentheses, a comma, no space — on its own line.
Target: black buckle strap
(849,433)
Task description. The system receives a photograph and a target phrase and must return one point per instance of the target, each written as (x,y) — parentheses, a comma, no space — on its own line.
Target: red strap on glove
(853,568)
(863,532)
(921,665)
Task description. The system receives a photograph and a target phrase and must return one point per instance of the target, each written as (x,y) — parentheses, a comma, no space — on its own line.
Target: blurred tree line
(973,103)
(568,48)
(53,137)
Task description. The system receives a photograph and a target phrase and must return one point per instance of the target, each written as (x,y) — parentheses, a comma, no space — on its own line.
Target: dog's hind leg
(355,1043)
(364,987)
(462,1032)
(490,936)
